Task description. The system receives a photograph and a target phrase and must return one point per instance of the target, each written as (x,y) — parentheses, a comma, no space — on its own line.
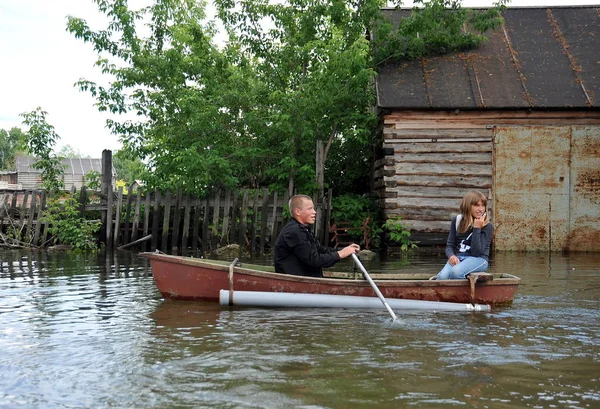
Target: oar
(374,287)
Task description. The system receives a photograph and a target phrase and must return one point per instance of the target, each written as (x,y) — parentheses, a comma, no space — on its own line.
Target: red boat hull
(186,278)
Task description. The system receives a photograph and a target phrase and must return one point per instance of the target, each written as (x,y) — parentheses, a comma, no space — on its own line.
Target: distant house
(75,170)
(517,118)
(8,180)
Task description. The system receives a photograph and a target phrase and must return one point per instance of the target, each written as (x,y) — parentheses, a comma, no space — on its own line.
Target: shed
(517,118)
(75,170)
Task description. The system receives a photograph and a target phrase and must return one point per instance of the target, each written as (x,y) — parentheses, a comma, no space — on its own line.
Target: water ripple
(84,331)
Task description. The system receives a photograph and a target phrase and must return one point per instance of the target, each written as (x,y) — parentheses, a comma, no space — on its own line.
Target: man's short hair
(297,201)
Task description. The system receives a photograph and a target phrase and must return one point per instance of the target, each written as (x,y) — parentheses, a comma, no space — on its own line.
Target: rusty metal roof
(541,58)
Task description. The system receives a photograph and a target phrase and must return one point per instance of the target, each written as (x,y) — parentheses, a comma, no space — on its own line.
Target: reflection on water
(80,331)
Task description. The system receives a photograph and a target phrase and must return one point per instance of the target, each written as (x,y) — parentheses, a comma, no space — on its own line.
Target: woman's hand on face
(453,260)
(478,222)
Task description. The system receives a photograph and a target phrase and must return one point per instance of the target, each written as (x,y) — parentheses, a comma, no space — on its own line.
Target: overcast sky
(40,62)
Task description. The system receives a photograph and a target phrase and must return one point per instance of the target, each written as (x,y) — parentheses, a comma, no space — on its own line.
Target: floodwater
(91,331)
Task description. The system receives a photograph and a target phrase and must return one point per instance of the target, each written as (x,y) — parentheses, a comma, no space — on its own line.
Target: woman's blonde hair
(470,199)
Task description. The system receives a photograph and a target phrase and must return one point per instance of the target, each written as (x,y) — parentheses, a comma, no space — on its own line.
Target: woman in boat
(297,251)
(468,244)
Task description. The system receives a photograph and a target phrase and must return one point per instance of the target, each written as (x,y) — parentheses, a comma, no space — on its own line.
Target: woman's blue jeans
(468,264)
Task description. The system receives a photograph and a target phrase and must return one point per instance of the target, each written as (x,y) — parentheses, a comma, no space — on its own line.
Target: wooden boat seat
(481,276)
(478,276)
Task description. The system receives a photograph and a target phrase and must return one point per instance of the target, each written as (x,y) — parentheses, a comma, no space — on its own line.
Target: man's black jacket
(298,252)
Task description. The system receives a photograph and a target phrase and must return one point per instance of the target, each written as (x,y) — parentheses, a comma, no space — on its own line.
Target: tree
(176,81)
(67,151)
(251,113)
(11,143)
(41,139)
(312,59)
(248,114)
(128,168)
(61,216)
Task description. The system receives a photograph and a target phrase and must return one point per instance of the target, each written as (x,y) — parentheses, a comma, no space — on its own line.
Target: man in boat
(297,251)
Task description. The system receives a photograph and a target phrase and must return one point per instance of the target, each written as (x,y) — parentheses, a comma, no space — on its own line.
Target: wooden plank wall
(431,159)
(170,222)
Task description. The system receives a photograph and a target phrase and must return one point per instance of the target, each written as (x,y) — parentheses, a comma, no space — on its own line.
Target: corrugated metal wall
(547,188)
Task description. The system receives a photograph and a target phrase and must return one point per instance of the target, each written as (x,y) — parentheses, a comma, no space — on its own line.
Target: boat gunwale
(501,280)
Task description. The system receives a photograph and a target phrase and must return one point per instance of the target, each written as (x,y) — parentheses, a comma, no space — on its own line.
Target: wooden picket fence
(170,222)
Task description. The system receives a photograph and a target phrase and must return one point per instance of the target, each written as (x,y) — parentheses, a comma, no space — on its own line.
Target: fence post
(234,216)
(106,183)
(196,224)
(32,208)
(118,217)
(264,216)
(126,235)
(274,221)
(50,196)
(242,238)
(155,220)
(204,242)
(226,209)
(254,223)
(215,221)
(166,218)
(136,215)
(108,219)
(147,219)
(187,204)
(38,224)
(176,217)
(328,216)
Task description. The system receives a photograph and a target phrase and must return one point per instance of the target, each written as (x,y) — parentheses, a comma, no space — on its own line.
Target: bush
(399,234)
(67,227)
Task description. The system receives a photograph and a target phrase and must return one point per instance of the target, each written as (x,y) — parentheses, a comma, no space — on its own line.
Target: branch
(330,141)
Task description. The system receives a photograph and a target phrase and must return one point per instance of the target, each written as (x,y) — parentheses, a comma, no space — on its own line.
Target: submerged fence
(170,222)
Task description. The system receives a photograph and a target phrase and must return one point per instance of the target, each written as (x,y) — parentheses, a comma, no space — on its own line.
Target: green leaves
(434,27)
(399,234)
(64,221)
(246,113)
(67,227)
(312,57)
(249,112)
(41,139)
(11,142)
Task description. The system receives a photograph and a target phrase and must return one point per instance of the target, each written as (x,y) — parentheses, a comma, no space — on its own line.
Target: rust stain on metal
(539,232)
(592,145)
(588,181)
(583,239)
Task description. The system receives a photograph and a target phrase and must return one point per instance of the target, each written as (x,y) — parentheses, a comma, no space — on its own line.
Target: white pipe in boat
(275,299)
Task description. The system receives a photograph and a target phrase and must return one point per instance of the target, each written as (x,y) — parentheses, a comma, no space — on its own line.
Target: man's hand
(348,250)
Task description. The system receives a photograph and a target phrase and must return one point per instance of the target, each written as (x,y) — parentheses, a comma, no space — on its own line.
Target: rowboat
(188,278)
